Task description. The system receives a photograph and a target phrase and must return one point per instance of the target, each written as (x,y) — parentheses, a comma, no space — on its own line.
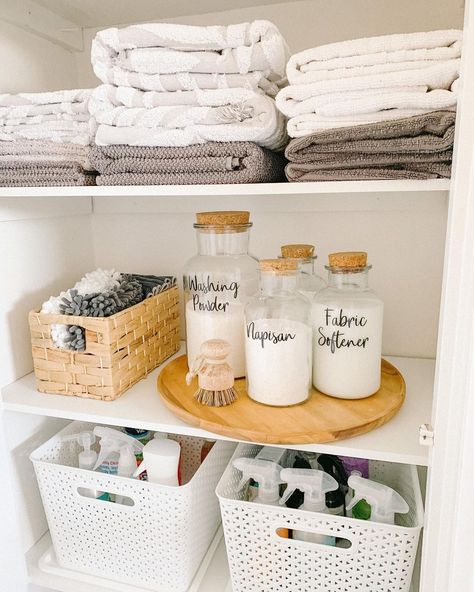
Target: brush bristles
(216,398)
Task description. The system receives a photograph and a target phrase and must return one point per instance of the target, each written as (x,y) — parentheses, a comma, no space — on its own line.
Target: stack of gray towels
(45,139)
(185,104)
(375,108)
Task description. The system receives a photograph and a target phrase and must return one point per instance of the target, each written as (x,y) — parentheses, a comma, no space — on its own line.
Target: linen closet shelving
(418,233)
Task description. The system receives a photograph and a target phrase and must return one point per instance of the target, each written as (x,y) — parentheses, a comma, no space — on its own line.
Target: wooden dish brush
(215,376)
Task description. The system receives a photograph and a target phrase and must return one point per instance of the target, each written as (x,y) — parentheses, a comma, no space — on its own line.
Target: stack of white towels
(176,86)
(370,81)
(45,139)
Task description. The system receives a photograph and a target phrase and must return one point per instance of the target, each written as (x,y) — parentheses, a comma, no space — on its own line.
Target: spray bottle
(87,458)
(127,465)
(111,443)
(314,484)
(384,501)
(266,473)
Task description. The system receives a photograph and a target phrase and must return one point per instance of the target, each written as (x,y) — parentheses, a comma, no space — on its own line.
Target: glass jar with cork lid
(347,319)
(278,337)
(218,282)
(309,283)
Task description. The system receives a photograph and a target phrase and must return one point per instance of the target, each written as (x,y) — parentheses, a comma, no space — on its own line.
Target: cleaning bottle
(266,473)
(384,501)
(314,484)
(335,500)
(161,461)
(350,491)
(111,441)
(127,465)
(86,459)
(272,453)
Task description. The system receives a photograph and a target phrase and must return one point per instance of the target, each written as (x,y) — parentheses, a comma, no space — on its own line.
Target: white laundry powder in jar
(278,356)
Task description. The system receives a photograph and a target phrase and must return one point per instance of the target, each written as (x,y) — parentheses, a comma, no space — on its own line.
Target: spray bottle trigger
(286,496)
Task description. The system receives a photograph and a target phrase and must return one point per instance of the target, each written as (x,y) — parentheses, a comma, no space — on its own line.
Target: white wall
(403,234)
(31,64)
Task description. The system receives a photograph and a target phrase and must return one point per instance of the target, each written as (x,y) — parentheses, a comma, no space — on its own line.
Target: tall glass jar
(218,281)
(309,282)
(278,337)
(347,319)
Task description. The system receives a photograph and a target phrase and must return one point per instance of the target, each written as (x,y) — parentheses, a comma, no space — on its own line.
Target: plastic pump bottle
(111,443)
(384,501)
(314,484)
(161,461)
(88,457)
(266,473)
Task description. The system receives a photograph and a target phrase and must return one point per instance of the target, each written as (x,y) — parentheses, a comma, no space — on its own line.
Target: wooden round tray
(320,419)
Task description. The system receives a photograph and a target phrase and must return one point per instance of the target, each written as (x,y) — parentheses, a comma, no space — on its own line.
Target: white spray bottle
(266,473)
(127,465)
(384,501)
(86,459)
(314,484)
(111,441)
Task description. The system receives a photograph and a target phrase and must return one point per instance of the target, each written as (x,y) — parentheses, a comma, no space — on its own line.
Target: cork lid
(279,265)
(348,260)
(297,251)
(228,218)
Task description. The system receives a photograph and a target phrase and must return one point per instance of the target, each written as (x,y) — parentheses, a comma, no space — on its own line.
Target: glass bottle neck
(272,283)
(306,266)
(222,243)
(356,280)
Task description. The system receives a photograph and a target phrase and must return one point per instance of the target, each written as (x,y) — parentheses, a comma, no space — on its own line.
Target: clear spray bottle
(314,484)
(266,473)
(384,501)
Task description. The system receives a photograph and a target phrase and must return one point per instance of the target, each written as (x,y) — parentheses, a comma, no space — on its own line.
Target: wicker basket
(120,349)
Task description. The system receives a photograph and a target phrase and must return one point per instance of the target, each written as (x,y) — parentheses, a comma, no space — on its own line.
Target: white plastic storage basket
(158,543)
(380,558)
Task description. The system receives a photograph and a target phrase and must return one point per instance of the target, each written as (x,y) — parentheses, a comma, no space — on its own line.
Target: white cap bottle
(384,501)
(161,461)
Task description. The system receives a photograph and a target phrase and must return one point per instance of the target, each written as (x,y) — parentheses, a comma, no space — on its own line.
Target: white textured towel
(149,53)
(201,116)
(58,116)
(367,56)
(267,130)
(183,81)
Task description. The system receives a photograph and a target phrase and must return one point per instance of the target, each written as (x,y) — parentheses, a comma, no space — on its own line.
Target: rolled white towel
(383,53)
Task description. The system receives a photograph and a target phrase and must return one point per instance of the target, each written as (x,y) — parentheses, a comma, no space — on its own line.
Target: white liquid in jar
(278,355)
(347,349)
(228,325)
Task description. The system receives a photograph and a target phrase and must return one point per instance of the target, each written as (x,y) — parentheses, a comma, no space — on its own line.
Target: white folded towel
(302,125)
(155,49)
(184,81)
(61,97)
(372,55)
(126,96)
(438,76)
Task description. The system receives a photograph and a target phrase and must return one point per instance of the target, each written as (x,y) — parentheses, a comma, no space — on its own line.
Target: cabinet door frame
(448,549)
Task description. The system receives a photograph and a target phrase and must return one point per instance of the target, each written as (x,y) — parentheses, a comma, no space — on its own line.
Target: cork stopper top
(228,218)
(215,349)
(297,251)
(279,265)
(348,260)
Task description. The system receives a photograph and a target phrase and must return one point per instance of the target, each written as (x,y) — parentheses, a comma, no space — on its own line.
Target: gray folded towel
(418,147)
(210,163)
(45,174)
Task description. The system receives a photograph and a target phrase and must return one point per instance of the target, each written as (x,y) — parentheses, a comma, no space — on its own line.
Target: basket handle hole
(105,496)
(319,538)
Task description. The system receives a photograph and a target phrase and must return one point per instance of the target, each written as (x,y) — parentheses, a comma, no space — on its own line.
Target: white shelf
(142,407)
(322,187)
(212,576)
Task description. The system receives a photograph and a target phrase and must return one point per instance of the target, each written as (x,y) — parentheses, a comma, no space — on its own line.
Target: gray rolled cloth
(418,147)
(210,163)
